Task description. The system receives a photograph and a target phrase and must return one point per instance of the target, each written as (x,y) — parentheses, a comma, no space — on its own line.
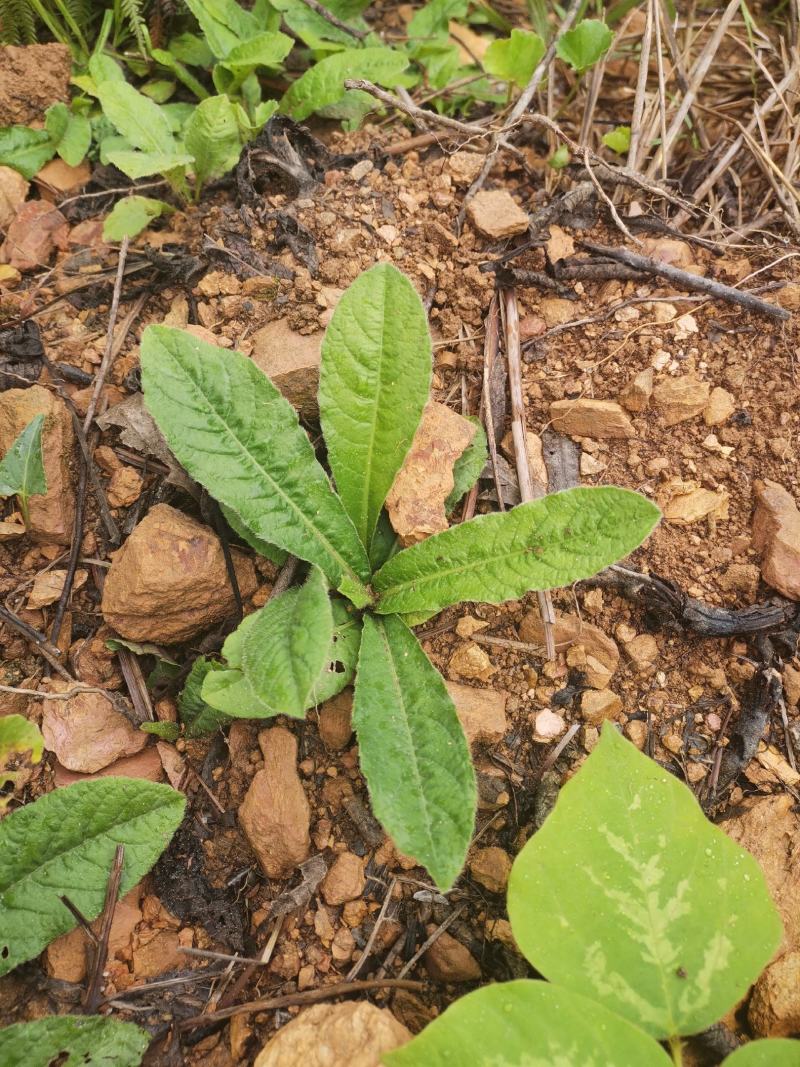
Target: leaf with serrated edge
(235,434)
(136,117)
(412,750)
(64,843)
(528,1024)
(87,1041)
(211,136)
(666,920)
(323,83)
(285,648)
(769,1052)
(544,544)
(374,382)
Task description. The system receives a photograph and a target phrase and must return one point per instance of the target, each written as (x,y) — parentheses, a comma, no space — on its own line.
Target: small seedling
(649,923)
(22,467)
(238,436)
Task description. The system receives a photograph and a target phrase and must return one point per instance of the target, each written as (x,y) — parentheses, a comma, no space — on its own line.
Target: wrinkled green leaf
(412,750)
(528,1024)
(199,717)
(158,89)
(341,659)
(71,134)
(212,137)
(143,164)
(190,48)
(285,649)
(88,1041)
(467,468)
(234,432)
(770,1052)
(323,83)
(264,548)
(544,544)
(582,46)
(22,467)
(24,149)
(184,76)
(667,921)
(374,382)
(138,119)
(618,139)
(265,50)
(315,31)
(515,58)
(224,24)
(64,842)
(131,215)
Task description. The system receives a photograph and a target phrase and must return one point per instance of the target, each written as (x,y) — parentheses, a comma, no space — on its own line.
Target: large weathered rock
(776,535)
(684,503)
(13,190)
(570,631)
(291,360)
(496,214)
(168,582)
(53,513)
(336,720)
(774,1009)
(345,880)
(87,732)
(36,231)
(591,418)
(481,712)
(353,1034)
(680,399)
(416,500)
(275,814)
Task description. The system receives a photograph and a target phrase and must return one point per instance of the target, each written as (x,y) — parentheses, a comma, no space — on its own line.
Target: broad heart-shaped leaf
(323,83)
(374,381)
(211,136)
(528,1024)
(286,647)
(25,150)
(664,918)
(89,1041)
(584,45)
(137,118)
(64,843)
(21,468)
(235,434)
(412,750)
(544,544)
(131,215)
(771,1052)
(514,59)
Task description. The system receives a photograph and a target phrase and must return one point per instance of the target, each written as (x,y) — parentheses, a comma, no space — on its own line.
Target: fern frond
(17,22)
(132,10)
(81,11)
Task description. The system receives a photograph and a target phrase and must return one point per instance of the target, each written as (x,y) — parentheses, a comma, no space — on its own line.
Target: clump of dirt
(31,79)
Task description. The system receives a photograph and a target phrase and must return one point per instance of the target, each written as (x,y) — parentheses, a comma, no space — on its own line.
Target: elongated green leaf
(24,149)
(585,44)
(412,750)
(547,543)
(198,716)
(71,134)
(228,689)
(529,1024)
(432,19)
(224,24)
(374,382)
(286,647)
(212,137)
(264,50)
(184,76)
(467,468)
(138,119)
(264,548)
(315,31)
(341,659)
(234,432)
(189,48)
(64,843)
(87,1041)
(323,84)
(667,920)
(514,59)
(21,468)
(131,215)
(143,164)
(771,1052)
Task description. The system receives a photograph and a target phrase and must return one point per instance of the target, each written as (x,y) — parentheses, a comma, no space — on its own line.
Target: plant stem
(676,1051)
(23,509)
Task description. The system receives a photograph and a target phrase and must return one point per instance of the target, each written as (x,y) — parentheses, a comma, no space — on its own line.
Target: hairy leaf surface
(467,468)
(323,83)
(22,468)
(666,920)
(412,750)
(544,544)
(89,1041)
(374,382)
(285,648)
(234,432)
(211,136)
(25,150)
(137,118)
(64,843)
(529,1024)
